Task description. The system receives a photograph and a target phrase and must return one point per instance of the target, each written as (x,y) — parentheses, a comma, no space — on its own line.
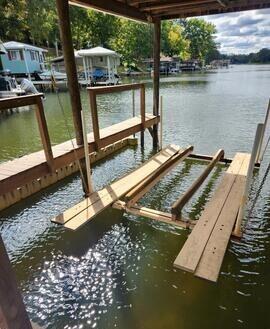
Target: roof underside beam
(115,8)
(205,7)
(150,10)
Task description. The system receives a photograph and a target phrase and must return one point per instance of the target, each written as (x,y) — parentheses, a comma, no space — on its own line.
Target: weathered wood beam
(157,31)
(215,8)
(70,64)
(13,314)
(179,204)
(71,70)
(141,189)
(171,4)
(14,102)
(160,216)
(115,8)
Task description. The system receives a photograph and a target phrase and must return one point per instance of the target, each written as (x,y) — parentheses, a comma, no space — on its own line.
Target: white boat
(48,74)
(9,87)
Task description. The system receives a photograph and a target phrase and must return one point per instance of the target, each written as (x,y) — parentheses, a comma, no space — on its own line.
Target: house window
(32,55)
(13,55)
(21,55)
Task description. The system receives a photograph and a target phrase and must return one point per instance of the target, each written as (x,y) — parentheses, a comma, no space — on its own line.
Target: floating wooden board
(98,201)
(192,250)
(214,252)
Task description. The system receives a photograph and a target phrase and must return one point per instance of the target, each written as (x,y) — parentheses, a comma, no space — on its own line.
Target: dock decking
(204,250)
(18,172)
(87,209)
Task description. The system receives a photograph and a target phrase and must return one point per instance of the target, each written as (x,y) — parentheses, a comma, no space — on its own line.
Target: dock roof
(151,10)
(97,51)
(19,45)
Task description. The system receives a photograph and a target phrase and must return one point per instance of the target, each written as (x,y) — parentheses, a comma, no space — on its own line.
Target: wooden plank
(13,102)
(91,206)
(94,115)
(156,41)
(190,254)
(113,89)
(242,208)
(44,134)
(114,7)
(142,110)
(179,204)
(151,164)
(150,213)
(12,310)
(214,252)
(33,166)
(141,189)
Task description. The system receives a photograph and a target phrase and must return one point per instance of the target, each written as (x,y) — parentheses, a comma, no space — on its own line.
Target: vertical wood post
(161,123)
(157,27)
(87,159)
(94,114)
(142,99)
(242,209)
(73,85)
(44,134)
(68,51)
(12,310)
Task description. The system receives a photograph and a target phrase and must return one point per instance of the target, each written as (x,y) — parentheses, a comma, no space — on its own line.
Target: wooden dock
(87,209)
(24,176)
(204,250)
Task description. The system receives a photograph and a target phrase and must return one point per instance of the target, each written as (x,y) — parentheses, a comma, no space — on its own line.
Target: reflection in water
(116,271)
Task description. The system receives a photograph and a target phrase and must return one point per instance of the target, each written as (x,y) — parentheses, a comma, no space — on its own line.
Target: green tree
(133,41)
(201,36)
(173,41)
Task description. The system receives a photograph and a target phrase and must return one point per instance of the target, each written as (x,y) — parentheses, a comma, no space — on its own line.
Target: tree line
(260,57)
(36,22)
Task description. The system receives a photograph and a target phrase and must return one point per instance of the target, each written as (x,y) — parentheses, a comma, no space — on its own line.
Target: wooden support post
(179,204)
(241,213)
(259,156)
(86,154)
(142,97)
(133,106)
(69,58)
(44,134)
(12,310)
(70,64)
(94,114)
(157,26)
(161,123)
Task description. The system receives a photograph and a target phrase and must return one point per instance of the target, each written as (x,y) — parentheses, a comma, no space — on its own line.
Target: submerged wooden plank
(214,252)
(141,189)
(183,199)
(121,186)
(160,216)
(190,254)
(118,189)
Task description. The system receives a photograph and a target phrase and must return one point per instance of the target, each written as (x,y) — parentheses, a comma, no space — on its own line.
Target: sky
(242,32)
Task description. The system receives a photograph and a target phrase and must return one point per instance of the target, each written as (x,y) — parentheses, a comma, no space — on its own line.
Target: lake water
(117,271)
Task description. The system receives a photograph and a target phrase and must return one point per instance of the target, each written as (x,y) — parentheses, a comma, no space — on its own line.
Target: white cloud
(242,32)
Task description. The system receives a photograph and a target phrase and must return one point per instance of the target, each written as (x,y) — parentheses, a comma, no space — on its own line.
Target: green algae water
(117,271)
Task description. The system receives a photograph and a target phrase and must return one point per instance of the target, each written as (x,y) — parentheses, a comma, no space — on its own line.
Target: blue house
(22,59)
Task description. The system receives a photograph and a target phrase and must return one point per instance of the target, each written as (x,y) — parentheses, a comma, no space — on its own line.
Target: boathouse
(22,59)
(203,252)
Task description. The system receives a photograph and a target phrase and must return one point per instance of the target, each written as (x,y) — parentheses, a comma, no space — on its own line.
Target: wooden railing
(94,91)
(8,103)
